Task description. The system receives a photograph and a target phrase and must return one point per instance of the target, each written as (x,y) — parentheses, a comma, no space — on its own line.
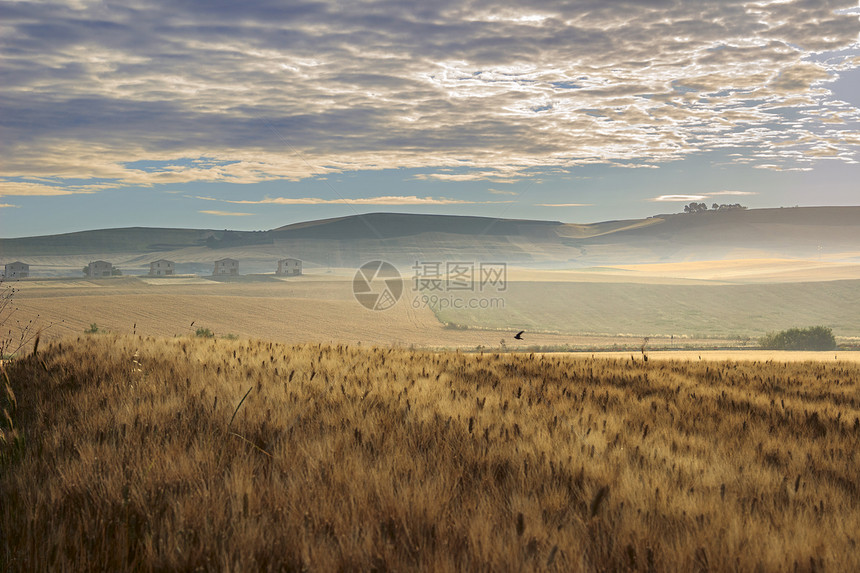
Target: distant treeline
(701,207)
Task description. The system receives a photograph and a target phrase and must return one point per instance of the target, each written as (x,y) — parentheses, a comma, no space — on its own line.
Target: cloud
(225,213)
(662,198)
(388,200)
(702,196)
(267,91)
(8,206)
(35,189)
(474,175)
(501,192)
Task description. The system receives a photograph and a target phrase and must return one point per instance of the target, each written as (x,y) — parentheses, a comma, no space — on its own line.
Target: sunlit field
(129,452)
(292,311)
(767,356)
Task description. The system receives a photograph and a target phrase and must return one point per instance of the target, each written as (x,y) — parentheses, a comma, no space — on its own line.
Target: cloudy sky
(251,115)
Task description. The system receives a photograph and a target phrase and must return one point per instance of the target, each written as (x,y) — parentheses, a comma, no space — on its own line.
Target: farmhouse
(289,267)
(99,269)
(17,270)
(161,267)
(226,267)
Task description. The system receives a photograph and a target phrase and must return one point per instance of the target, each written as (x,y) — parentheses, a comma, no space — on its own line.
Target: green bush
(204,333)
(812,338)
(93,329)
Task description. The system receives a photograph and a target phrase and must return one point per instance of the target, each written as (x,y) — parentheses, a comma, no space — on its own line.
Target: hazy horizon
(394,212)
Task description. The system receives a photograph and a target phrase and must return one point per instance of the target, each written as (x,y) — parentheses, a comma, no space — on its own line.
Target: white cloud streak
(225,213)
(701,197)
(386,200)
(35,189)
(663,198)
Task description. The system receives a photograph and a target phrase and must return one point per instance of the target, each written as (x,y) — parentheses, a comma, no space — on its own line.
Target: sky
(252,115)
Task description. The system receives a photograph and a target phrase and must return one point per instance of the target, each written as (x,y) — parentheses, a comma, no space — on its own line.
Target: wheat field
(124,452)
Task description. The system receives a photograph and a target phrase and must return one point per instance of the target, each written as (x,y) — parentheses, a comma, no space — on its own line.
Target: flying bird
(519,335)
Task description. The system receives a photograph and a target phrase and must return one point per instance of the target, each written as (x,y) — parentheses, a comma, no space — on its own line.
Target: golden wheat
(124,452)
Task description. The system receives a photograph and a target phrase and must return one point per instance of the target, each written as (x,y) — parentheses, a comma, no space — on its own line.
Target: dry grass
(125,452)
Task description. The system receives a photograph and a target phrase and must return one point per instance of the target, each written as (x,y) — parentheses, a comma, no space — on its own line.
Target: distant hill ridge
(401,237)
(390,225)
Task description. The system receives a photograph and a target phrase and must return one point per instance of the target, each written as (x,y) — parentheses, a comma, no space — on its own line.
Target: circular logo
(377,285)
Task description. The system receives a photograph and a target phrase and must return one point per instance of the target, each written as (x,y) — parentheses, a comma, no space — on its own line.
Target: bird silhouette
(519,335)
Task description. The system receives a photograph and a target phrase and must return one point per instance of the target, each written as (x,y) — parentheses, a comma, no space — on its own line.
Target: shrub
(204,333)
(812,338)
(93,329)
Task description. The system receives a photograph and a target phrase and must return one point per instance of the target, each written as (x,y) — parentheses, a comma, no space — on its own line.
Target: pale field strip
(719,272)
(178,280)
(603,275)
(728,355)
(749,270)
(53,284)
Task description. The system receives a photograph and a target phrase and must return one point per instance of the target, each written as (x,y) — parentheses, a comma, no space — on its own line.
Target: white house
(289,267)
(99,269)
(226,267)
(161,267)
(17,270)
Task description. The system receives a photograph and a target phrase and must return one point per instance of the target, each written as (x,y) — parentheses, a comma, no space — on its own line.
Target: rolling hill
(805,232)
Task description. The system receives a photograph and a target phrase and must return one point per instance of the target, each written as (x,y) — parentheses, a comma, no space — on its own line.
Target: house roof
(162,261)
(289,259)
(17,263)
(97,262)
(226,260)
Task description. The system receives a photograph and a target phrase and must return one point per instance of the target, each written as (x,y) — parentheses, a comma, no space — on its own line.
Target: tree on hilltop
(695,207)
